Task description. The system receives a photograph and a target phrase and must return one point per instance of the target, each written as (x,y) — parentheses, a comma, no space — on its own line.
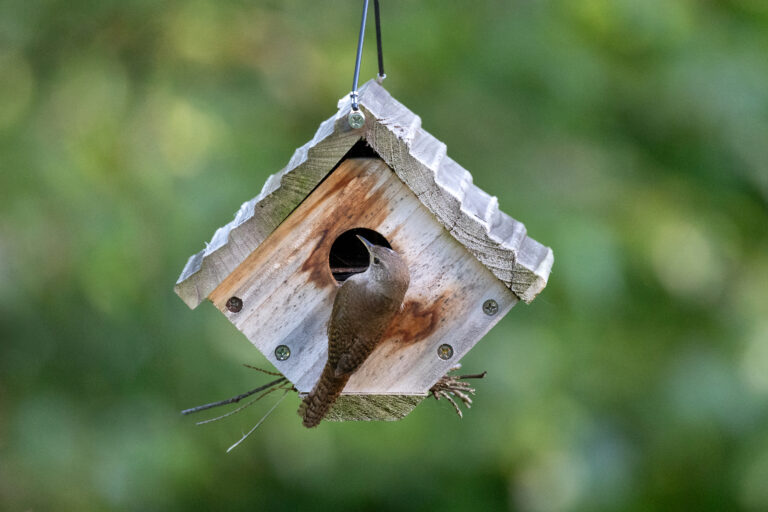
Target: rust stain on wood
(417,321)
(351,197)
(335,189)
(352,206)
(316,266)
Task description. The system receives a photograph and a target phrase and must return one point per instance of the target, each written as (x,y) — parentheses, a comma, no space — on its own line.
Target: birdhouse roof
(445,188)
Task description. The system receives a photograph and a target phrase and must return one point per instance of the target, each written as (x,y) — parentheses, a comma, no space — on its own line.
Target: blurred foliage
(631,136)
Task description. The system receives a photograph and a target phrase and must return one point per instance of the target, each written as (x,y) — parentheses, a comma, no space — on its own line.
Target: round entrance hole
(348,254)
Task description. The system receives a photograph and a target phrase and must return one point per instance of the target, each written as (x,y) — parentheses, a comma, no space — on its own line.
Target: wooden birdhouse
(274,270)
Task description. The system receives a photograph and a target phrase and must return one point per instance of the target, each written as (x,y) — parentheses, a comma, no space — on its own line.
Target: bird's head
(386,266)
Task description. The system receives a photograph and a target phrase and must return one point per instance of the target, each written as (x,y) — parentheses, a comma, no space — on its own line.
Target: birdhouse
(274,270)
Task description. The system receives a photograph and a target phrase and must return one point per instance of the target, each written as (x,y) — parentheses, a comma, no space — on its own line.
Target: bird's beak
(368,245)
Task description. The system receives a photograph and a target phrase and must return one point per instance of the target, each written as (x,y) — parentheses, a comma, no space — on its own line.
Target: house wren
(363,308)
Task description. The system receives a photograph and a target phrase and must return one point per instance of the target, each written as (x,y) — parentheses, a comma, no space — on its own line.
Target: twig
(230,413)
(473,376)
(453,385)
(464,398)
(259,423)
(262,370)
(233,399)
(348,270)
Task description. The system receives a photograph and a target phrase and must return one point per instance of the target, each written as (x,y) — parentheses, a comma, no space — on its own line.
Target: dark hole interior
(360,149)
(348,254)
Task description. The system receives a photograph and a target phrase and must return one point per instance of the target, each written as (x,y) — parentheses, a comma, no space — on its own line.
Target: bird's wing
(358,352)
(344,322)
(358,321)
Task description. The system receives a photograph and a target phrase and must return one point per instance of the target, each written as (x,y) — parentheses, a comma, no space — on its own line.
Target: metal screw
(282,352)
(356,119)
(445,351)
(235,304)
(490,307)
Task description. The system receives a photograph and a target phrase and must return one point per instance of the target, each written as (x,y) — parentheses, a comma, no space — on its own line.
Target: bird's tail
(318,402)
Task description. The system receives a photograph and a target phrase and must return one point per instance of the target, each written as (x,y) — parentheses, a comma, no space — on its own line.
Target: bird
(364,306)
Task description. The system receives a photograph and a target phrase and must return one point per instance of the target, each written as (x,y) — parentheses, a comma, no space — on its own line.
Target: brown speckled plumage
(363,309)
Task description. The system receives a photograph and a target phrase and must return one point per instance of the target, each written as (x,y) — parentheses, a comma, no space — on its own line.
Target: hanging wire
(381,76)
(359,57)
(380,52)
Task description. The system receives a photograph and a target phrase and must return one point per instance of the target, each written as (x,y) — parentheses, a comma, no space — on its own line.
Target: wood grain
(372,407)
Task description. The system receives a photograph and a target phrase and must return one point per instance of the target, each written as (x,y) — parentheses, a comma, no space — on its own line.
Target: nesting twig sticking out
(455,385)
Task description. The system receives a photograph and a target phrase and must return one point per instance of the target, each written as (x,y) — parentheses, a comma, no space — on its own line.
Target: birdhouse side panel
(286,286)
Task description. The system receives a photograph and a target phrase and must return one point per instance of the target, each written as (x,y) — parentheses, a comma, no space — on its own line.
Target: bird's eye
(376,261)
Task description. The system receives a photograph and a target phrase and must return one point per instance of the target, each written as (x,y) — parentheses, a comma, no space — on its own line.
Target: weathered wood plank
(373,407)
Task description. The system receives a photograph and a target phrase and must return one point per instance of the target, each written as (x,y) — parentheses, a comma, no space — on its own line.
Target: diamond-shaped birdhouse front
(275,269)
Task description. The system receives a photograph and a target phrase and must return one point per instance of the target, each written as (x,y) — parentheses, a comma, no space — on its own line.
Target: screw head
(235,304)
(356,119)
(490,307)
(282,352)
(445,351)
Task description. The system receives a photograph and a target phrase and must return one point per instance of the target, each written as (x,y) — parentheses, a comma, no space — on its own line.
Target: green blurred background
(631,136)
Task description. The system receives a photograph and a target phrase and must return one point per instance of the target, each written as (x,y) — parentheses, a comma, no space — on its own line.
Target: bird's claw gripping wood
(455,385)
